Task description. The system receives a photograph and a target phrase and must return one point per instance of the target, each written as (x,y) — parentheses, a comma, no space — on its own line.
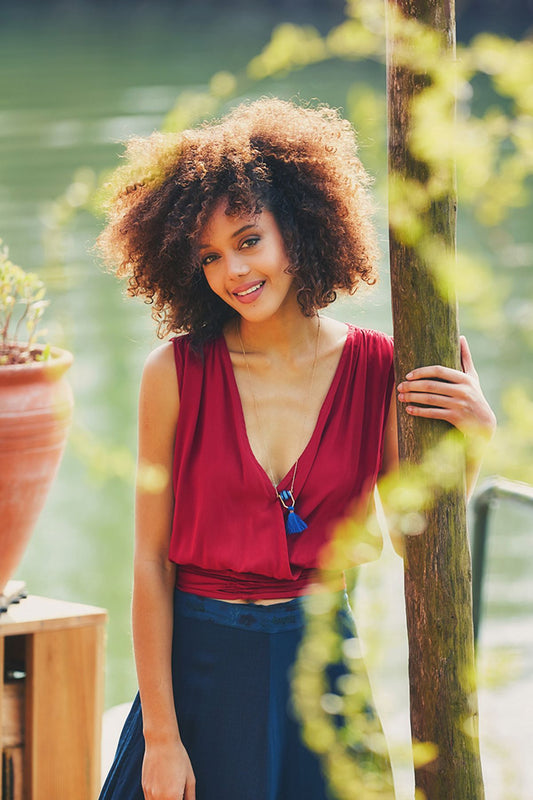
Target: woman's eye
(208,260)
(250,241)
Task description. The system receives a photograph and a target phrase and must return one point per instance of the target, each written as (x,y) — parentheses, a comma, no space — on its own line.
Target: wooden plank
(42,613)
(13,714)
(64,707)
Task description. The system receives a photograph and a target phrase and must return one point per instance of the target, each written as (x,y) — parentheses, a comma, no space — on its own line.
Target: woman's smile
(249,291)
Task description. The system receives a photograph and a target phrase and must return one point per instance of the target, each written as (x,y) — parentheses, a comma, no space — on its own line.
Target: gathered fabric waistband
(245,585)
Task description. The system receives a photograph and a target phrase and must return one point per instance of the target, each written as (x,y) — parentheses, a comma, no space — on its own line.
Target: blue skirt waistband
(272,618)
(246,616)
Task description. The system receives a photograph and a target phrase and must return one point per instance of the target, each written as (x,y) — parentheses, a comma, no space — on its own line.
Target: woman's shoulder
(160,363)
(351,338)
(370,338)
(185,345)
(182,341)
(159,392)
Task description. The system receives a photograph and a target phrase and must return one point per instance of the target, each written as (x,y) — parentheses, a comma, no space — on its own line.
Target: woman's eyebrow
(233,235)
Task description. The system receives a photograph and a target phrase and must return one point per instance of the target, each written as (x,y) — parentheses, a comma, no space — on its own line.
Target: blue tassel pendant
(293,523)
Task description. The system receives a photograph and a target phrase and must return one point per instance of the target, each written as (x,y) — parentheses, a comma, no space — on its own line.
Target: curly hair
(300,163)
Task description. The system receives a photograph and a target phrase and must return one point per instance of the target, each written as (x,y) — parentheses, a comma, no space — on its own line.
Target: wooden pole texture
(437,562)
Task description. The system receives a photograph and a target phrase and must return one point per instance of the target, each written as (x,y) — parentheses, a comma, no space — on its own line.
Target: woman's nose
(237,266)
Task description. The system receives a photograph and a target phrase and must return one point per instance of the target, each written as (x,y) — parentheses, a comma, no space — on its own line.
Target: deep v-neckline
(324,408)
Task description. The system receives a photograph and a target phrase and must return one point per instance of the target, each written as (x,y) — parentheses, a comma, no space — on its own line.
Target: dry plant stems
(22,305)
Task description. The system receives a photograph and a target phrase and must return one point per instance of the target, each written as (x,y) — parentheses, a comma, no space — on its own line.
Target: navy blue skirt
(231,667)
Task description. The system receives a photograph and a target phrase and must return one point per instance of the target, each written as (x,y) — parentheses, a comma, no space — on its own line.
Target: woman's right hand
(167,772)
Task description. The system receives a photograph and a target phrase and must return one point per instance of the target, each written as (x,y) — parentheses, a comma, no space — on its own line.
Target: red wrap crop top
(228,535)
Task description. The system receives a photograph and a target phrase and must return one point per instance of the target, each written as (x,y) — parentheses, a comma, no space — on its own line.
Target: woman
(265,422)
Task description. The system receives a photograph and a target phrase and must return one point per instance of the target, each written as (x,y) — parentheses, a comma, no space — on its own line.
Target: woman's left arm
(454,396)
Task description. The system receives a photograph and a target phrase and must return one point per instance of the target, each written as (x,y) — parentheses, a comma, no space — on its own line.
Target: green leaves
(291,47)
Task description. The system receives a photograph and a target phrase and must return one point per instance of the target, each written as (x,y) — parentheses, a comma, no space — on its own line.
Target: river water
(69,93)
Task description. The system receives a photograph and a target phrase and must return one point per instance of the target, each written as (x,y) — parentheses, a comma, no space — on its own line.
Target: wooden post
(437,562)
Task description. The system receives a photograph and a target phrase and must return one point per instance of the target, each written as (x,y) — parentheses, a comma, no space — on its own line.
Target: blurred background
(76,78)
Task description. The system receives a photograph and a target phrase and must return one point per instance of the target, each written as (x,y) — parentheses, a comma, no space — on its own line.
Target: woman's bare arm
(167,772)
(390,459)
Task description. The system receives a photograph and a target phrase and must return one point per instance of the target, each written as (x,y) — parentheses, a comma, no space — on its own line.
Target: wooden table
(51,699)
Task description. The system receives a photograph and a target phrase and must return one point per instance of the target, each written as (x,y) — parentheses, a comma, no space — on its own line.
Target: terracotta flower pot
(35,413)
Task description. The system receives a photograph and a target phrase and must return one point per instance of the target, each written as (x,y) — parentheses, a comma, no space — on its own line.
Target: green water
(68,94)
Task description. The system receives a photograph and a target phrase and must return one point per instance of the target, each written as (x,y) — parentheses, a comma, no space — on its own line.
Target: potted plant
(35,411)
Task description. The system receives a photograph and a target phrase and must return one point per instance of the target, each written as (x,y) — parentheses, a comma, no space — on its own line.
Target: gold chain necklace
(294,523)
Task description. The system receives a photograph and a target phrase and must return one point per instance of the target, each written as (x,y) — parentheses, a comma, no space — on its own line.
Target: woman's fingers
(429,399)
(440,373)
(433,387)
(466,358)
(190,791)
(432,412)
(437,392)
(435,372)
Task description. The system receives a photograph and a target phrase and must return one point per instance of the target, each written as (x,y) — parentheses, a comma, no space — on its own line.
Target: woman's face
(245,263)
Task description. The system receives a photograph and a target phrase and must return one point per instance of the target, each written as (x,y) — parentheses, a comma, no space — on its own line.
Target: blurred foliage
(21,303)
(339,722)
(399,509)
(107,463)
(490,156)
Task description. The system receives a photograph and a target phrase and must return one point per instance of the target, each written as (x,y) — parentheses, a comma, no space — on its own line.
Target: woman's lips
(249,292)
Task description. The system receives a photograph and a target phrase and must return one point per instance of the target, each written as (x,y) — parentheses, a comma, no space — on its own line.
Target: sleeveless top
(228,535)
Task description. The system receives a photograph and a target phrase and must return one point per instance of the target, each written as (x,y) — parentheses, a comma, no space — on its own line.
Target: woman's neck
(283,336)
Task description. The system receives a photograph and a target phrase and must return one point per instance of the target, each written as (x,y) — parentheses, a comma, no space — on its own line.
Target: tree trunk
(437,562)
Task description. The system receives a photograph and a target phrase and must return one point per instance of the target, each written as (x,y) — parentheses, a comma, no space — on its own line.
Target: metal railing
(486,498)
